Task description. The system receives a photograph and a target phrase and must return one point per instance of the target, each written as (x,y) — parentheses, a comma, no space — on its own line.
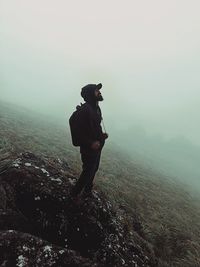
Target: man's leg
(89,166)
(89,185)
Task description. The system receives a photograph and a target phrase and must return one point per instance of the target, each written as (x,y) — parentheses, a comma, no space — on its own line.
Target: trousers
(90,165)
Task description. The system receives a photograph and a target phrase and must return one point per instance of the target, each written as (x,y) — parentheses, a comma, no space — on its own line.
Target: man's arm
(85,137)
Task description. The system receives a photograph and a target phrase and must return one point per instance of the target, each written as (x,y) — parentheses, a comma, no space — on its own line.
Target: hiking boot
(88,193)
(76,199)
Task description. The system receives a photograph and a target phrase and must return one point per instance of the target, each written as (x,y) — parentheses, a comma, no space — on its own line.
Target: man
(91,138)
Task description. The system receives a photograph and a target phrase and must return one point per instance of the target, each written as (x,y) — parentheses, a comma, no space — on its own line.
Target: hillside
(157,220)
(176,156)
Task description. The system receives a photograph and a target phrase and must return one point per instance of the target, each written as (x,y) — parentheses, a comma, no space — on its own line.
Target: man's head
(91,92)
(98,95)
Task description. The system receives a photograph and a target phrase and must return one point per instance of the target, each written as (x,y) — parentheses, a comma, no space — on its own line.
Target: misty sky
(145,53)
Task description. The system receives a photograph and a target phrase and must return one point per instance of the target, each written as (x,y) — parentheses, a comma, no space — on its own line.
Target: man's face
(98,95)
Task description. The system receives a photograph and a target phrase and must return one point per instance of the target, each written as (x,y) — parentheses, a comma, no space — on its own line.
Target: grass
(163,212)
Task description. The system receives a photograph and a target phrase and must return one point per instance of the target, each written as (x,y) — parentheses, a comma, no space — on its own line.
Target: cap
(89,89)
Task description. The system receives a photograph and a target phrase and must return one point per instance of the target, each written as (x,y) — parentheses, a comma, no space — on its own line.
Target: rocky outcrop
(22,249)
(41,226)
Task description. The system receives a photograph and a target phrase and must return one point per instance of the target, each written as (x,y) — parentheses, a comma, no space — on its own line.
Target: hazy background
(145,53)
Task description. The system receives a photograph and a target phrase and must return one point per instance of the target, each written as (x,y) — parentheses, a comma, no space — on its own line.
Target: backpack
(74,123)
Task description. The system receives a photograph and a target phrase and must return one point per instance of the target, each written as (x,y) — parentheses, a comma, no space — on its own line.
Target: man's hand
(105,135)
(95,145)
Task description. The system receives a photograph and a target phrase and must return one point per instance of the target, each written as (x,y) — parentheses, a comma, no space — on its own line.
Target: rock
(35,200)
(22,249)
(10,219)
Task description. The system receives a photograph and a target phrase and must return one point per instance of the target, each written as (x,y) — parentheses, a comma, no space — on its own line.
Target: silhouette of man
(92,138)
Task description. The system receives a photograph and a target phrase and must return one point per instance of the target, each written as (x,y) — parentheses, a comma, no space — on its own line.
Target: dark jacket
(90,126)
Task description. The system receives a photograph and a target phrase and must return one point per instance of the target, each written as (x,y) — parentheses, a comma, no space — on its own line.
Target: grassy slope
(168,215)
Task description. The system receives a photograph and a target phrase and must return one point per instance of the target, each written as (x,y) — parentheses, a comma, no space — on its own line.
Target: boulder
(36,205)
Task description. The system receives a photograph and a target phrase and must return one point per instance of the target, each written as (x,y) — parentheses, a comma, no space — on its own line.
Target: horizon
(146,55)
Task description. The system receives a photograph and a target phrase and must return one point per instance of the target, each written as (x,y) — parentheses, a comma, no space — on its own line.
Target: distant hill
(139,217)
(176,157)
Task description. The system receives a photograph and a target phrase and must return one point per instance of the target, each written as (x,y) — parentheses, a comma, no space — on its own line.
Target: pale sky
(145,53)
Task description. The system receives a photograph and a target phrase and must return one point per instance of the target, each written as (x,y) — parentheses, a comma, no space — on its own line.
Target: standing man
(91,138)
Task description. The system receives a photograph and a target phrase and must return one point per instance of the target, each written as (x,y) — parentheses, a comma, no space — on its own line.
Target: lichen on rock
(49,229)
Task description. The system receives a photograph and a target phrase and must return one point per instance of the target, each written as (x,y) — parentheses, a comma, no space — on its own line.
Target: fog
(145,53)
